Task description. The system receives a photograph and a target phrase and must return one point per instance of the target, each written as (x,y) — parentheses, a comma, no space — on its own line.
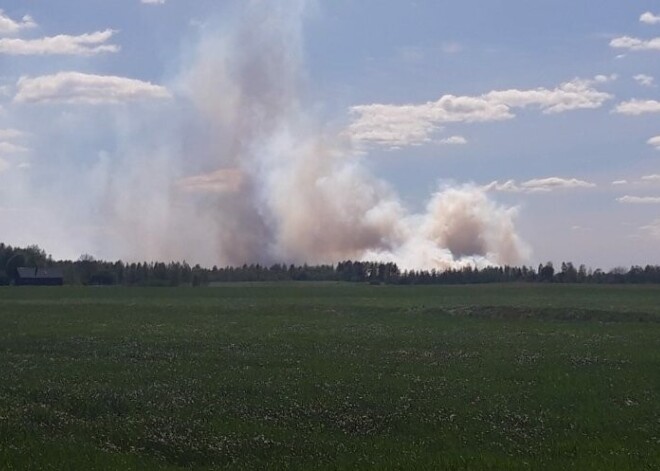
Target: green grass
(330,376)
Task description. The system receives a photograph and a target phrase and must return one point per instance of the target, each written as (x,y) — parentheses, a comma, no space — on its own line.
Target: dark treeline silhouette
(89,271)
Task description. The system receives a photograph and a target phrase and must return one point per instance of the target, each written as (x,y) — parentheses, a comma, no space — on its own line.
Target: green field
(330,376)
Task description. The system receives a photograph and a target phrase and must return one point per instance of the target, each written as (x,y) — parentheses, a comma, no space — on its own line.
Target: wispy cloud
(637,107)
(644,80)
(11,134)
(538,185)
(413,124)
(651,178)
(11,148)
(152,2)
(79,88)
(9,26)
(651,230)
(453,140)
(63,44)
(645,180)
(639,199)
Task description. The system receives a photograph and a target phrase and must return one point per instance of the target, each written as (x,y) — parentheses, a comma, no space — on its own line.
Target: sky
(430,133)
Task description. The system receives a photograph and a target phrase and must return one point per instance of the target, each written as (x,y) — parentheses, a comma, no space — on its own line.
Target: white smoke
(460,227)
(237,172)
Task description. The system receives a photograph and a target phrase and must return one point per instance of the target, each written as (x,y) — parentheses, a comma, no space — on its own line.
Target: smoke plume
(234,170)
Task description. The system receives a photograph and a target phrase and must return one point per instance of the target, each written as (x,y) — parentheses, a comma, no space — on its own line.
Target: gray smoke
(235,171)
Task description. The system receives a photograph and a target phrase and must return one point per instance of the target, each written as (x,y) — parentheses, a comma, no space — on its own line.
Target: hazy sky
(549,107)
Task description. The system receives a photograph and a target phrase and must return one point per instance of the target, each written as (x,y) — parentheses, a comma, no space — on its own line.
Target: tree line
(89,271)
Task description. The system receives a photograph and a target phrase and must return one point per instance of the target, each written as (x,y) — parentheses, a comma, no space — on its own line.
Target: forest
(89,271)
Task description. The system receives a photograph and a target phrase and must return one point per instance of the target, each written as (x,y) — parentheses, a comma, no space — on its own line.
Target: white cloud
(644,80)
(7,147)
(79,88)
(538,185)
(9,26)
(573,95)
(153,2)
(63,44)
(637,107)
(635,44)
(601,78)
(11,134)
(651,230)
(649,18)
(555,183)
(396,126)
(401,125)
(655,142)
(620,182)
(509,186)
(639,199)
(10,148)
(651,178)
(454,140)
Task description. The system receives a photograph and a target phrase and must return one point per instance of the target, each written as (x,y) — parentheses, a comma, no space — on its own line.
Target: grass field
(330,377)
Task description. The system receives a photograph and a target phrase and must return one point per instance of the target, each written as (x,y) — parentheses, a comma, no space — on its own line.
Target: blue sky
(539,114)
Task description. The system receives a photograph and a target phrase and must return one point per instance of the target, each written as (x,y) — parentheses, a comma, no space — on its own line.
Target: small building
(27,276)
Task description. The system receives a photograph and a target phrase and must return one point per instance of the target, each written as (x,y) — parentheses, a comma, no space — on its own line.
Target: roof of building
(40,273)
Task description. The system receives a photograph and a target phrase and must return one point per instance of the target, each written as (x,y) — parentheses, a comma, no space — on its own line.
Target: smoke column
(235,171)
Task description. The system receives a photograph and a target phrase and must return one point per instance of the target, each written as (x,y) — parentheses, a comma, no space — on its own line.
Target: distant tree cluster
(545,273)
(89,271)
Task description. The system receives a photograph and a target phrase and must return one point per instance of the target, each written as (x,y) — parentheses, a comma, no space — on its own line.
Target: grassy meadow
(330,376)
